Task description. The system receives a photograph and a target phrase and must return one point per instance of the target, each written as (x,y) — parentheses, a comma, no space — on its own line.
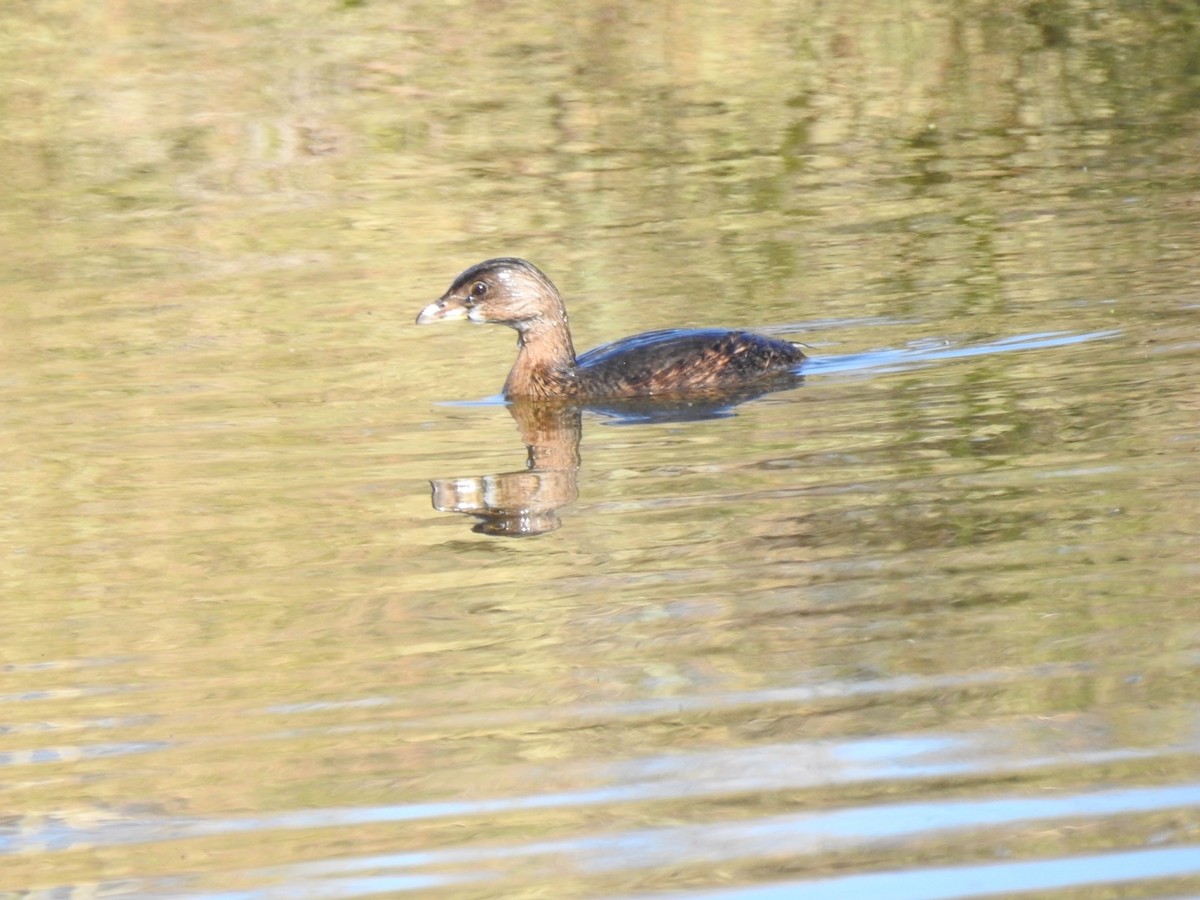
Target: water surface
(920,626)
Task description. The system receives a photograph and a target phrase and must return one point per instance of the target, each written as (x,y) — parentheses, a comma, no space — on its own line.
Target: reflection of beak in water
(523,503)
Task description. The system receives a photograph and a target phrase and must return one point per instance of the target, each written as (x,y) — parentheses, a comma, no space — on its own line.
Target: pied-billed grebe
(676,362)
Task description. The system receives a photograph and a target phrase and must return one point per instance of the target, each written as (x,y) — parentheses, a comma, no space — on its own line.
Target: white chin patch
(475,314)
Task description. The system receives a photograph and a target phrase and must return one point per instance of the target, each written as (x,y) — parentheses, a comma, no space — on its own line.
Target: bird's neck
(545,366)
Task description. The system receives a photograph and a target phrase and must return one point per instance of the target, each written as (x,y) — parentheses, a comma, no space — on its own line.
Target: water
(920,626)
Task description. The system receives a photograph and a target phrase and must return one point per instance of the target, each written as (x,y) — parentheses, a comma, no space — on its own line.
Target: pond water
(922,625)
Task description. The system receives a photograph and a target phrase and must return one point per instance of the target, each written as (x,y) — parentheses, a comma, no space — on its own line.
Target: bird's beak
(443,310)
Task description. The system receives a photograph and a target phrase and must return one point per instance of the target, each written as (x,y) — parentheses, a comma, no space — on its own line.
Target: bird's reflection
(523,503)
(526,502)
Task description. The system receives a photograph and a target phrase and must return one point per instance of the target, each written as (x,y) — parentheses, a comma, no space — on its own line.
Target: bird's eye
(475,295)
